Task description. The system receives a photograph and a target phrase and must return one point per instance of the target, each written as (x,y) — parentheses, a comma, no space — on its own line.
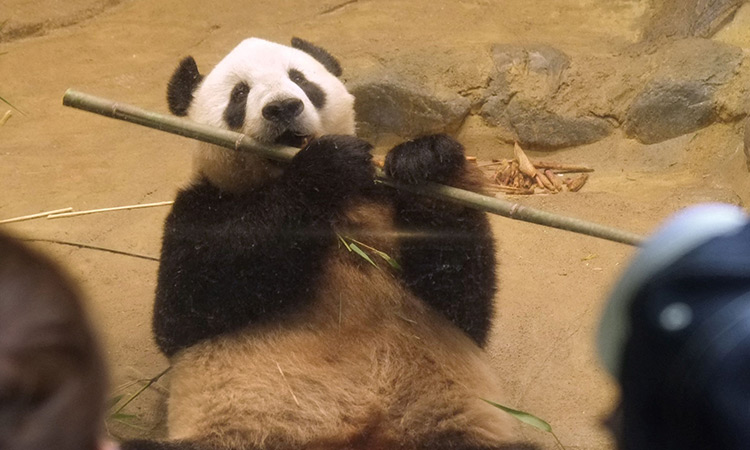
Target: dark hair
(52,376)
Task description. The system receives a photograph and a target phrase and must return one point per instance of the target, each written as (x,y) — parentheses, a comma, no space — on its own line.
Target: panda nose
(283,111)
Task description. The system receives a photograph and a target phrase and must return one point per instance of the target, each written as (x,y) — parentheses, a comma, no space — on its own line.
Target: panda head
(274,93)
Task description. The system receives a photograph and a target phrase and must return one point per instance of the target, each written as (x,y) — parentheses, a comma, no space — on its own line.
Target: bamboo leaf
(131,423)
(112,402)
(392,262)
(524,417)
(385,256)
(123,417)
(355,248)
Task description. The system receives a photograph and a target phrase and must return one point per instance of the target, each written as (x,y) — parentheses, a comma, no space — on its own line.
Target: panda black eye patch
(234,115)
(313,91)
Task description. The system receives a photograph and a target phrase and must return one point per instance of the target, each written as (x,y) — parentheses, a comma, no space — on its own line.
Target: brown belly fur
(365,365)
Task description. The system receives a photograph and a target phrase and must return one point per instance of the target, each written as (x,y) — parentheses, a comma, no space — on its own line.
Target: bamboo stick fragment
(37,215)
(524,164)
(577,183)
(512,190)
(5,117)
(115,208)
(240,142)
(554,179)
(560,167)
(544,182)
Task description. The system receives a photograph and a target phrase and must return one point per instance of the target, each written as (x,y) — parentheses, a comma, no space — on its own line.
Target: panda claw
(437,158)
(333,165)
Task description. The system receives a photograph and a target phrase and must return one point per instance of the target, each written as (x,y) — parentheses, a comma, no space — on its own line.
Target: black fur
(183,83)
(283,111)
(313,91)
(227,260)
(450,259)
(231,260)
(323,57)
(234,114)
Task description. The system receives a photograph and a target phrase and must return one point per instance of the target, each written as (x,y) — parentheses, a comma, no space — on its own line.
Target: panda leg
(513,446)
(448,254)
(164,445)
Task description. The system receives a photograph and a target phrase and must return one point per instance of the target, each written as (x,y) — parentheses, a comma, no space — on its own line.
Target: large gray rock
(685,77)
(667,109)
(544,130)
(544,99)
(685,18)
(702,60)
(22,19)
(535,70)
(387,105)
(522,99)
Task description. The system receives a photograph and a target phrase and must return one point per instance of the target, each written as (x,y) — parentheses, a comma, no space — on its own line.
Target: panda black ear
(323,57)
(181,86)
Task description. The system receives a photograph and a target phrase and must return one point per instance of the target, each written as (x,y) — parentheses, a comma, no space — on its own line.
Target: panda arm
(448,254)
(228,260)
(233,260)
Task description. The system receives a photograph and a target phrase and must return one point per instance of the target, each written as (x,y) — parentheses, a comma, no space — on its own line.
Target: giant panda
(279,336)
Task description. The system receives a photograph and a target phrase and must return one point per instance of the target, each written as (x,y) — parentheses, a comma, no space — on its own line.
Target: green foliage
(524,417)
(115,404)
(356,246)
(528,419)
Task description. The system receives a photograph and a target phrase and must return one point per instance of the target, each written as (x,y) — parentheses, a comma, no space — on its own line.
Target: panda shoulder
(196,198)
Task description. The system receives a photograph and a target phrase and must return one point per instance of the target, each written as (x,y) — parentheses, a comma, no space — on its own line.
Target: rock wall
(689,18)
(537,95)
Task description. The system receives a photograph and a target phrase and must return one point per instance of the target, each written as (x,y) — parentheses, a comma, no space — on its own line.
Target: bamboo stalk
(175,125)
(37,215)
(240,142)
(115,208)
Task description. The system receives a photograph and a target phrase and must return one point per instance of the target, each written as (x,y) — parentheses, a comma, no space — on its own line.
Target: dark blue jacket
(683,353)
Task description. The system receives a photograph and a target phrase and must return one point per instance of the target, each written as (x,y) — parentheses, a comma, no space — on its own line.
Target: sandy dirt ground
(552,283)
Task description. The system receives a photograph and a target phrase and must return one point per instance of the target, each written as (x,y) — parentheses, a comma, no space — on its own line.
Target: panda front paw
(332,167)
(437,158)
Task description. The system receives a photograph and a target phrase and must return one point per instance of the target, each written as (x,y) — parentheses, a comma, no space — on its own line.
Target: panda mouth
(292,138)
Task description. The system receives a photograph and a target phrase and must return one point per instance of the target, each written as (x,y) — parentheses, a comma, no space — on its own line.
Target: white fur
(264,66)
